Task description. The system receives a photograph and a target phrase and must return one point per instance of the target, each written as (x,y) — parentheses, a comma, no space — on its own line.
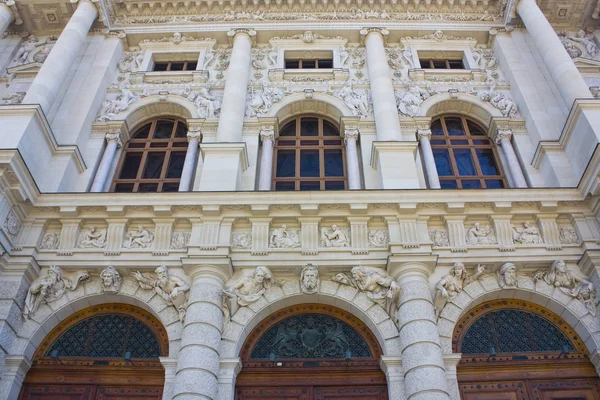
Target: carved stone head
(508,275)
(110,280)
(309,279)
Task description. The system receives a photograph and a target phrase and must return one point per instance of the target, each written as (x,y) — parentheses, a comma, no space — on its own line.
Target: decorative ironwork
(310,336)
(513,331)
(107,336)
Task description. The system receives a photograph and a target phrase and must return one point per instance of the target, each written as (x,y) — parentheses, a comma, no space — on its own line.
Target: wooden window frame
(321,147)
(147,148)
(316,61)
(472,147)
(185,65)
(432,65)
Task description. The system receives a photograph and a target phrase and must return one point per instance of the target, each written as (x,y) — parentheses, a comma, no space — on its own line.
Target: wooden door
(313,393)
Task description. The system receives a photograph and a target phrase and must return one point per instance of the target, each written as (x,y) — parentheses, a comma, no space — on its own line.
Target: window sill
(309,75)
(164,77)
(447,75)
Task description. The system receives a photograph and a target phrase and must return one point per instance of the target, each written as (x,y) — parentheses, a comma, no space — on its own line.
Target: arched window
(465,157)
(309,156)
(152,160)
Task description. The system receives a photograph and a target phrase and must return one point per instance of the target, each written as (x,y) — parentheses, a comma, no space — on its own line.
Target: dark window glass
(191,66)
(292,64)
(439,64)
(163,130)
(152,146)
(175,165)
(312,159)
(107,336)
(455,64)
(309,163)
(458,154)
(309,127)
(286,163)
(177,66)
(424,64)
(154,164)
(160,67)
(513,331)
(131,166)
(309,64)
(325,63)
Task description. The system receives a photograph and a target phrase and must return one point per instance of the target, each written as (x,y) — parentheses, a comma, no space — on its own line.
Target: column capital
(194,134)
(503,133)
(267,132)
(231,34)
(351,133)
(364,32)
(424,133)
(114,135)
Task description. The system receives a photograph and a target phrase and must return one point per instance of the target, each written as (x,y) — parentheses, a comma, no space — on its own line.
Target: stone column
(198,365)
(352,163)
(113,141)
(422,356)
(267,136)
(51,76)
(6,18)
(502,138)
(382,91)
(230,367)
(424,136)
(564,73)
(189,165)
(233,109)
(170,366)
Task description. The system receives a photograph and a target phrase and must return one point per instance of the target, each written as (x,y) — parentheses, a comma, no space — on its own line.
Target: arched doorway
(311,352)
(109,351)
(514,349)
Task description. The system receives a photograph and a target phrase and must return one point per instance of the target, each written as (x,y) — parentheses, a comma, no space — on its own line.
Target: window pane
(337,142)
(309,127)
(424,63)
(309,142)
(334,185)
(159,144)
(124,188)
(131,166)
(181,130)
(494,184)
(191,66)
(286,163)
(436,128)
(160,66)
(175,165)
(292,64)
(310,185)
(439,64)
(334,163)
(142,133)
(448,184)
(329,129)
(286,142)
(487,162)
(325,63)
(481,141)
(147,187)
(163,130)
(471,184)
(309,163)
(154,163)
(288,129)
(170,187)
(459,142)
(177,66)
(474,129)
(455,127)
(442,162)
(456,64)
(133,145)
(309,64)
(438,142)
(285,186)
(464,162)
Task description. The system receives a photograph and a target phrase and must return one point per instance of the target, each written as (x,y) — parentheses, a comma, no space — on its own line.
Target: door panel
(274,393)
(57,392)
(507,390)
(362,393)
(128,393)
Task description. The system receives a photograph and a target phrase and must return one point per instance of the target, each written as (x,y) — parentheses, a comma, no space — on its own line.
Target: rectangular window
(430,59)
(160,66)
(308,59)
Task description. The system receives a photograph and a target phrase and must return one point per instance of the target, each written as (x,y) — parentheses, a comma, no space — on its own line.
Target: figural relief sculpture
(559,276)
(507,276)
(110,280)
(171,288)
(529,234)
(377,285)
(310,282)
(453,283)
(335,237)
(50,241)
(241,240)
(478,235)
(92,238)
(140,238)
(284,238)
(50,288)
(248,290)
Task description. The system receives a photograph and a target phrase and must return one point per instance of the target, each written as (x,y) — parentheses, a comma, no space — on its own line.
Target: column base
(223,166)
(395,162)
